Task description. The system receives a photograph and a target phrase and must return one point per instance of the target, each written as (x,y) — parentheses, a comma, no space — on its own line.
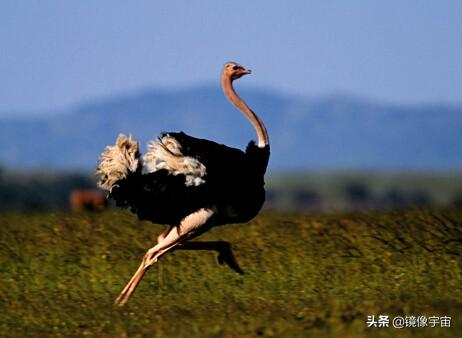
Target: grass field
(317,276)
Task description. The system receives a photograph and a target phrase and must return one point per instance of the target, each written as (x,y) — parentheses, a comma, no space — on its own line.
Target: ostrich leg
(225,253)
(188,228)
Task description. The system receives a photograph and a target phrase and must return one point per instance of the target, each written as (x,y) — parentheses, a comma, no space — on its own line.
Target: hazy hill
(329,132)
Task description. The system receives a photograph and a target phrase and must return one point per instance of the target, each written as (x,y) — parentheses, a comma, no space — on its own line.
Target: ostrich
(189,184)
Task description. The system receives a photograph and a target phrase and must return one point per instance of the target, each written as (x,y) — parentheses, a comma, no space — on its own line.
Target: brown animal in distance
(87,200)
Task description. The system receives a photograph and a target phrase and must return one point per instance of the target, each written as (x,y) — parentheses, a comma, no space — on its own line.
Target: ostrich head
(234,70)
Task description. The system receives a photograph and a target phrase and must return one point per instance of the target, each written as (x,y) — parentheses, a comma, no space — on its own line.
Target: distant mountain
(325,133)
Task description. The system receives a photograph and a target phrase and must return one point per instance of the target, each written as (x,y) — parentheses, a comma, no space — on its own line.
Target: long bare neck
(262,134)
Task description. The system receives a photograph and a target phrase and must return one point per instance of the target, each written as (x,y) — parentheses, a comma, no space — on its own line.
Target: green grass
(305,276)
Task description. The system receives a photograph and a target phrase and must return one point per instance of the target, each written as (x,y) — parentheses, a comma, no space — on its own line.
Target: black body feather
(234,185)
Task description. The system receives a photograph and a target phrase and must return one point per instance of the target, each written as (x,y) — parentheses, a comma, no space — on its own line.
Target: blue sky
(57,53)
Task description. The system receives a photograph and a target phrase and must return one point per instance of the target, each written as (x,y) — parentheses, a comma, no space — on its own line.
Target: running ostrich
(189,184)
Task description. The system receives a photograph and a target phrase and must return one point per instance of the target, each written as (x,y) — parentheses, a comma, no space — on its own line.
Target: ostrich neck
(260,128)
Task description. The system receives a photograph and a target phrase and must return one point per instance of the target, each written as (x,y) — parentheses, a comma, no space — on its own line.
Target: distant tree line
(38,191)
(354,196)
(49,190)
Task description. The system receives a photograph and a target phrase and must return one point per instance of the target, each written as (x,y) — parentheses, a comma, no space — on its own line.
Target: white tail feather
(165,153)
(117,161)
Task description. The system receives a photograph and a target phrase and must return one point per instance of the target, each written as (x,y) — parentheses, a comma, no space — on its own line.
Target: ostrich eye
(235,68)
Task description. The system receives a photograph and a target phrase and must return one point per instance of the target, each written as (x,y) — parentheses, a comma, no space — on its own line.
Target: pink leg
(174,236)
(140,272)
(163,234)
(225,253)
